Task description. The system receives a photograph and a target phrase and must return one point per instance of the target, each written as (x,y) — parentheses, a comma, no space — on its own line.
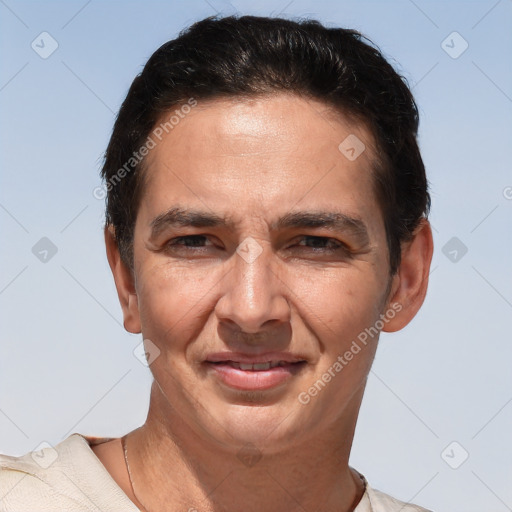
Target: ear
(409,284)
(125,284)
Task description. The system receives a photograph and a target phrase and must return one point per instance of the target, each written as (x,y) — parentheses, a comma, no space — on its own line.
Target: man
(266,219)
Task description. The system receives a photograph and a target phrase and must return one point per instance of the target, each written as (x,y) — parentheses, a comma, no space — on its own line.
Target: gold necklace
(125,451)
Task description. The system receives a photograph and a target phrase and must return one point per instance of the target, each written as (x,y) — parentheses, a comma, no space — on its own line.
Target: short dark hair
(246,56)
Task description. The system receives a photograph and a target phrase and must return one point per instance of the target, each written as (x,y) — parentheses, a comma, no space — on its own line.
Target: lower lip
(255,379)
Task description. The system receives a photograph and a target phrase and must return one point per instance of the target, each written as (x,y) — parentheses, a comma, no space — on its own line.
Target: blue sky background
(67,364)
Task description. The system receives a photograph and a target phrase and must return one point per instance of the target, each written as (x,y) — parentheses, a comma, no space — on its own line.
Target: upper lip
(268,357)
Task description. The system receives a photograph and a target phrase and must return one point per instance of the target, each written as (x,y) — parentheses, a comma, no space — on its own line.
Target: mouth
(255,367)
(257,375)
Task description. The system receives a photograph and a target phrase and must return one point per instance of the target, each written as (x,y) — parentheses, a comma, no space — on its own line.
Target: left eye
(322,243)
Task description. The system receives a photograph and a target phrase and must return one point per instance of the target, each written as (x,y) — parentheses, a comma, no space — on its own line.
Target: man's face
(257,240)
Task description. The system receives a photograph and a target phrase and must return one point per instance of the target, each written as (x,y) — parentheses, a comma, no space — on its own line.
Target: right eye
(188,241)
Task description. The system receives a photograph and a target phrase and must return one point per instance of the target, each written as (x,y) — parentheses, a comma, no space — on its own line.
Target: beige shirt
(69,477)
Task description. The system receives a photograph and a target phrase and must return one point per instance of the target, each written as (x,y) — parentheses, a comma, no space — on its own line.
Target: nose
(254,295)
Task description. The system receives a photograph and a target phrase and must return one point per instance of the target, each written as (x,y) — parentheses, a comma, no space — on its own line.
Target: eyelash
(338,246)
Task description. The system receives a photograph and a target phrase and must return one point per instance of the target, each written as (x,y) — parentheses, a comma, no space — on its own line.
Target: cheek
(338,308)
(171,300)
(339,303)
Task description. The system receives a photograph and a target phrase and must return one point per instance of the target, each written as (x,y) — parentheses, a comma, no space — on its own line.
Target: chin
(270,428)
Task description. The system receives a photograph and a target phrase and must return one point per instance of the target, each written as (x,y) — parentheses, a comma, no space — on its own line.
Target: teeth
(257,366)
(261,366)
(243,366)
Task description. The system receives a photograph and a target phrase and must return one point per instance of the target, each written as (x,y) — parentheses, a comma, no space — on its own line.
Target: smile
(255,376)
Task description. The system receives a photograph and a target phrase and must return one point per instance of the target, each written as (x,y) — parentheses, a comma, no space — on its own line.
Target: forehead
(251,157)
(250,125)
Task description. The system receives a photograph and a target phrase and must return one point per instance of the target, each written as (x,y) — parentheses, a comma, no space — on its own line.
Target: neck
(174,467)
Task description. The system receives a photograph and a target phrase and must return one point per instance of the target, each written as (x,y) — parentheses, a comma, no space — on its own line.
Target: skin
(254,161)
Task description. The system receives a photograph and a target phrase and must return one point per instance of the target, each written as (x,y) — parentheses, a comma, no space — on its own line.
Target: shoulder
(381,502)
(377,501)
(38,480)
(65,477)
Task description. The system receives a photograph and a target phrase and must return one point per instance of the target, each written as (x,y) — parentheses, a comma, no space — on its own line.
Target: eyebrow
(333,221)
(182,217)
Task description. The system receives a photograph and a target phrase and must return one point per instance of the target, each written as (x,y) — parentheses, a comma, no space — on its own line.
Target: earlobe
(124,281)
(409,285)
